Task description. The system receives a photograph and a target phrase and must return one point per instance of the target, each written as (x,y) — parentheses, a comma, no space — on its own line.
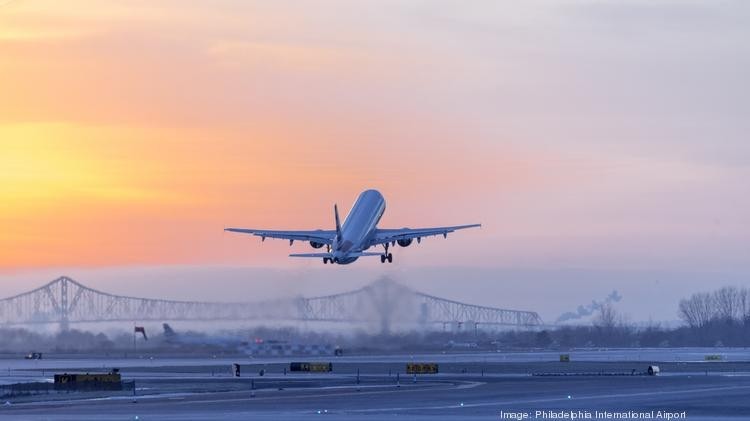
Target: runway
(706,397)
(476,389)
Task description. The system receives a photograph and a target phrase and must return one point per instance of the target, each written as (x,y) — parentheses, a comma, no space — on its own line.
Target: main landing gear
(386,256)
(326,260)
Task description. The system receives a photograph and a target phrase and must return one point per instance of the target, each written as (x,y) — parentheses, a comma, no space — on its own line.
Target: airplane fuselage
(359,226)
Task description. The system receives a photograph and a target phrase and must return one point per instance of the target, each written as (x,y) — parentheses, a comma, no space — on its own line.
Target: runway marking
(183,396)
(560,399)
(391,389)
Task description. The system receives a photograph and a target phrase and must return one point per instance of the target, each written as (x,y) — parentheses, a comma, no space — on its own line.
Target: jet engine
(316,245)
(404,243)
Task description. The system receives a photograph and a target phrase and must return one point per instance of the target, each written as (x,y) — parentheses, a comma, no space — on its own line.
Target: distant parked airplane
(347,243)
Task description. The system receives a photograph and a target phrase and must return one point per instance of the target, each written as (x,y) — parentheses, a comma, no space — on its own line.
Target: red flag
(142,330)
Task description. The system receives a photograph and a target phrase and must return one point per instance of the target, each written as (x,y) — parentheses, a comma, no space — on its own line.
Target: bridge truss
(384,302)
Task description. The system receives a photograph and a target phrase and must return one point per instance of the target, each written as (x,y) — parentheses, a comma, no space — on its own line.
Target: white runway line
(390,389)
(547,400)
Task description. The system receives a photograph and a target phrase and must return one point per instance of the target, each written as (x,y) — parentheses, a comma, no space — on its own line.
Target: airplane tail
(168,331)
(338,223)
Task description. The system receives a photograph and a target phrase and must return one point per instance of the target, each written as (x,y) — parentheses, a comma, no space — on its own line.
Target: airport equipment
(384,303)
(33,356)
(653,370)
(311,367)
(714,357)
(564,358)
(421,368)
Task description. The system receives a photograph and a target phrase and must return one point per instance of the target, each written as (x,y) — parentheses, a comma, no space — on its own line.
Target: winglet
(338,223)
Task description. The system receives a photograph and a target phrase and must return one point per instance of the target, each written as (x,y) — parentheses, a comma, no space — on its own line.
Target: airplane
(348,242)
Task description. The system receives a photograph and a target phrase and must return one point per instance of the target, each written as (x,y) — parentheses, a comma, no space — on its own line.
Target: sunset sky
(581,134)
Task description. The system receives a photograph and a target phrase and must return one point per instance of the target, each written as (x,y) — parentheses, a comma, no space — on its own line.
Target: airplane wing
(318,236)
(390,235)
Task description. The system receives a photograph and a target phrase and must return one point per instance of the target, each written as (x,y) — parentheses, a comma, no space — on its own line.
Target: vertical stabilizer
(338,222)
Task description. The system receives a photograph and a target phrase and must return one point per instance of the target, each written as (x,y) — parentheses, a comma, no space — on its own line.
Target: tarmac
(469,386)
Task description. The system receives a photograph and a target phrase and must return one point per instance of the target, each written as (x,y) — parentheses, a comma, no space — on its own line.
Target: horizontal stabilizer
(316,255)
(329,255)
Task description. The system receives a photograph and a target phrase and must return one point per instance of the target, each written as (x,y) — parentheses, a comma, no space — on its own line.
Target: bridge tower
(64,316)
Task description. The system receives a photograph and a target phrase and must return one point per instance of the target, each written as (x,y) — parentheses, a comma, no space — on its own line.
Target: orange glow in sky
(133,132)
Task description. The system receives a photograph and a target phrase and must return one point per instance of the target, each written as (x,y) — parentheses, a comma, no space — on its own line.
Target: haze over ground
(602,145)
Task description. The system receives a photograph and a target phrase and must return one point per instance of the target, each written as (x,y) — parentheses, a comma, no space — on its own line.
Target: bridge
(383,302)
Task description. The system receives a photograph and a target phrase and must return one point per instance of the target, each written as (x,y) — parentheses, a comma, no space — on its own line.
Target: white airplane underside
(348,242)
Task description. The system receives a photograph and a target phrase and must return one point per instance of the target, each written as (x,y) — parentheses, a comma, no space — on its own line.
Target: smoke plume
(587,310)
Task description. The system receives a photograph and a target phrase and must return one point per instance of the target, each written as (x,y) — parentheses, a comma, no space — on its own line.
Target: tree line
(716,318)
(728,305)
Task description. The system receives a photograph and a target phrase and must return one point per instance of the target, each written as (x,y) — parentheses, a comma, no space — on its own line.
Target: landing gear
(326,259)
(386,256)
